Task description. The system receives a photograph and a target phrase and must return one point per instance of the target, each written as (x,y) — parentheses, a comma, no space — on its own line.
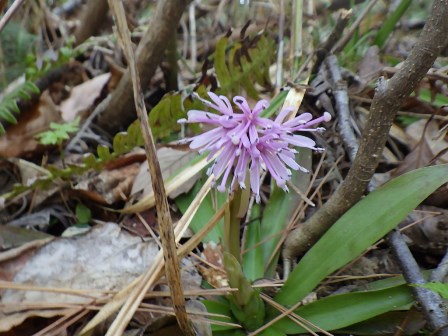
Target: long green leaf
(339,311)
(388,26)
(253,265)
(279,211)
(364,224)
(207,209)
(221,309)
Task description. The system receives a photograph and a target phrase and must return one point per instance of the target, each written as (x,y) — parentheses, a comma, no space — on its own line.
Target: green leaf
(83,214)
(212,202)
(437,287)
(253,264)
(222,72)
(120,143)
(8,116)
(275,104)
(216,307)
(437,100)
(339,311)
(360,227)
(387,324)
(58,132)
(103,153)
(271,331)
(134,135)
(389,24)
(279,210)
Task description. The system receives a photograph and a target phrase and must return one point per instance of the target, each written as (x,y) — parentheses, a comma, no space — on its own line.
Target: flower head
(243,139)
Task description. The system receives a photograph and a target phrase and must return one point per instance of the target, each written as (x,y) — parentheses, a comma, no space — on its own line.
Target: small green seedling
(58,133)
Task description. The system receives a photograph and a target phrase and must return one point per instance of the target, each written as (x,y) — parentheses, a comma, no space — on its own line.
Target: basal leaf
(339,311)
(213,201)
(253,264)
(360,227)
(220,308)
(279,211)
(437,287)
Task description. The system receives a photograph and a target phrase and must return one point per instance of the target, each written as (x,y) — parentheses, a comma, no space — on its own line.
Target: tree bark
(121,110)
(92,18)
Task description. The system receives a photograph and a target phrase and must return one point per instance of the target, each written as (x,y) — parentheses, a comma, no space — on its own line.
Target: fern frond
(245,64)
(8,105)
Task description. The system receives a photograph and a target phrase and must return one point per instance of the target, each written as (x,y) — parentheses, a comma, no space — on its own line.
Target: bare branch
(121,110)
(388,98)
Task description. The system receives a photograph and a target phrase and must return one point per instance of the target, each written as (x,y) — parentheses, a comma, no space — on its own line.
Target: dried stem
(323,51)
(388,98)
(431,303)
(342,106)
(439,274)
(172,267)
(344,40)
(9,13)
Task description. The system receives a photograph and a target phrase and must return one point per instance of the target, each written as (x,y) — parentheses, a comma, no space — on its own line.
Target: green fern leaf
(163,117)
(8,105)
(222,72)
(245,65)
(120,143)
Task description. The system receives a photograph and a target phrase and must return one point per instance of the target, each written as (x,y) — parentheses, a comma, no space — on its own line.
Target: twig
(441,271)
(172,267)
(431,303)
(323,51)
(193,36)
(342,106)
(99,109)
(342,42)
(388,98)
(9,13)
(92,17)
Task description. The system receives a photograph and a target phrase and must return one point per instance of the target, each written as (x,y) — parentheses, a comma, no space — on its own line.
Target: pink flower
(243,139)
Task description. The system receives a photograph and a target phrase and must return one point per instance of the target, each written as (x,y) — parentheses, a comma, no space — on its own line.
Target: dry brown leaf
(83,96)
(109,186)
(435,139)
(370,65)
(170,160)
(19,139)
(430,235)
(104,259)
(419,157)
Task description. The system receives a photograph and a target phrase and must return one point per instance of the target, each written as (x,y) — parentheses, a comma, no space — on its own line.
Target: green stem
(235,211)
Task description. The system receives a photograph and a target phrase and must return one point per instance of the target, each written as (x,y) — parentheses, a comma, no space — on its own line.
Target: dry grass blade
(132,295)
(172,268)
(171,185)
(307,325)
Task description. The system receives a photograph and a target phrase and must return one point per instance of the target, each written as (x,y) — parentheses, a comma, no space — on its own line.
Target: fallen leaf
(104,259)
(430,235)
(19,139)
(170,160)
(435,139)
(109,186)
(83,96)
